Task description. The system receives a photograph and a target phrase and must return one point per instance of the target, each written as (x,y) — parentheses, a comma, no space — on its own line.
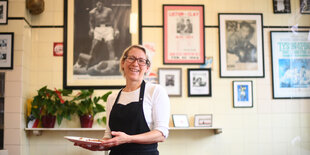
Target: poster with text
(184,34)
(290,64)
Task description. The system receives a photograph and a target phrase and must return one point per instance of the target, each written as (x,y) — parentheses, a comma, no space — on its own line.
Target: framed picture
(171,79)
(183,34)
(199,81)
(243,94)
(180,120)
(304,6)
(3,12)
(290,64)
(6,50)
(241,45)
(203,120)
(281,6)
(96,32)
(58,49)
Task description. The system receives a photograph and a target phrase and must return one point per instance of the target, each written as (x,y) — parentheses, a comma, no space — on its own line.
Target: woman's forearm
(153,136)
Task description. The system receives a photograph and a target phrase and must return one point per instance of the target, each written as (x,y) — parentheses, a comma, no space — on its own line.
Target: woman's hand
(118,139)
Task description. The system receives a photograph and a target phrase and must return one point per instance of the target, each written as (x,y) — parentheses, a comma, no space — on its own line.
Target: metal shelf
(38,131)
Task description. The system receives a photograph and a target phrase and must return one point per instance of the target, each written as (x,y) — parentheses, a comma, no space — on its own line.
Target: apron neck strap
(142,91)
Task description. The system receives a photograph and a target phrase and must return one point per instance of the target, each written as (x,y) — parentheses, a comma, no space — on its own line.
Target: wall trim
(216,26)
(35,26)
(151,26)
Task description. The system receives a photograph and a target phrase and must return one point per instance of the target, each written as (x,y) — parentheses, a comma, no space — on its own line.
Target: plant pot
(86,121)
(48,121)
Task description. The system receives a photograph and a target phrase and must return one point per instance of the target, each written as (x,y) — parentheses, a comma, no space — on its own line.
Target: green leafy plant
(51,102)
(88,105)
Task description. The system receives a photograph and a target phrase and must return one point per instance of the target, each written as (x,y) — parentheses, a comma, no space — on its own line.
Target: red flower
(59,96)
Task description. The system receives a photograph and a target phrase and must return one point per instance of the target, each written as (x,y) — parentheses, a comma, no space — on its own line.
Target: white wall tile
(16,8)
(18,58)
(13,120)
(13,89)
(12,136)
(271,127)
(305,120)
(279,148)
(305,148)
(305,135)
(13,104)
(265,149)
(13,149)
(15,75)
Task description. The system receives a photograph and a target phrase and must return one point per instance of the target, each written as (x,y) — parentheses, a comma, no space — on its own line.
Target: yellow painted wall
(271,127)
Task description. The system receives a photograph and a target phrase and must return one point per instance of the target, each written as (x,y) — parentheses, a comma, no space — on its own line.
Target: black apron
(130,120)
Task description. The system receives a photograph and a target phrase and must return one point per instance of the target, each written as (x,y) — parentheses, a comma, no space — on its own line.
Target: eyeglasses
(141,61)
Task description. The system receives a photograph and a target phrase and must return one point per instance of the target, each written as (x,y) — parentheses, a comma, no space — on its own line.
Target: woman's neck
(131,86)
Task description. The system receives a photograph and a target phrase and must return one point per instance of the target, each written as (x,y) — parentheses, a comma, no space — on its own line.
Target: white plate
(84,140)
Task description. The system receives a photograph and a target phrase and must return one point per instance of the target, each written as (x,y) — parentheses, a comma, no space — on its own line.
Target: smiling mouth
(134,70)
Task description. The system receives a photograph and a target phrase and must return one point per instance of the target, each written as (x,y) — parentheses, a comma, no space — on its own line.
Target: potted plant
(88,106)
(49,105)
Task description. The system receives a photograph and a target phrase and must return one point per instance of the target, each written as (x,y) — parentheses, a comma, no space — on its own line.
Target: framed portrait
(180,120)
(241,45)
(96,32)
(290,64)
(243,94)
(183,34)
(3,12)
(304,6)
(199,82)
(171,80)
(281,6)
(203,120)
(6,50)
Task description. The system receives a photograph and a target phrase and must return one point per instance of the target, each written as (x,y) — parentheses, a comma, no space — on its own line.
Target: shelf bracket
(37,132)
(218,131)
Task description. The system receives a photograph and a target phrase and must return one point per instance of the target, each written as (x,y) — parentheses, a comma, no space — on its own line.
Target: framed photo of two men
(241,45)
(96,32)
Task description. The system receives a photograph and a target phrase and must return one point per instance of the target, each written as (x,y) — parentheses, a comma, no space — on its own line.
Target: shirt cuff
(163,130)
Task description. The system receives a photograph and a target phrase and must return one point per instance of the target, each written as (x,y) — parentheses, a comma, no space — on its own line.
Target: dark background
(82,41)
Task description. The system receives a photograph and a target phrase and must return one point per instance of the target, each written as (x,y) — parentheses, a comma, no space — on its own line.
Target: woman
(138,115)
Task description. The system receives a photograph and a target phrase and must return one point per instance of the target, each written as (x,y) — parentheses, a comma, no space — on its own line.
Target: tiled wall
(16,88)
(271,127)
(16,80)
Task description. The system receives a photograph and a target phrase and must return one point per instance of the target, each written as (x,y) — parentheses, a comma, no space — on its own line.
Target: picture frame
(243,94)
(183,34)
(241,45)
(4,12)
(58,49)
(199,82)
(203,120)
(180,120)
(6,50)
(87,61)
(290,64)
(281,6)
(171,80)
(304,6)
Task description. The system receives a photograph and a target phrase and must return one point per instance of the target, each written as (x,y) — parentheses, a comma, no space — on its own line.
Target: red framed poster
(183,34)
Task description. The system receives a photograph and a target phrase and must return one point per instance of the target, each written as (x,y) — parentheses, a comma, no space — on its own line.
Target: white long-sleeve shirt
(156,107)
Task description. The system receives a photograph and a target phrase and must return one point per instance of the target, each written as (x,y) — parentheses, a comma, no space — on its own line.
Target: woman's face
(132,70)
